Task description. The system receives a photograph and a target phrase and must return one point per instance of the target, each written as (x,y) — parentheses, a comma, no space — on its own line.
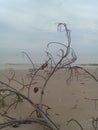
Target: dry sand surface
(67,101)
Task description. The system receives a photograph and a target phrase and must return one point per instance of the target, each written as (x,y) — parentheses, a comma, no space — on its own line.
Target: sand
(67,100)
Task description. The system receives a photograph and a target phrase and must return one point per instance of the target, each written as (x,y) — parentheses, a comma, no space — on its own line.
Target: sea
(17,60)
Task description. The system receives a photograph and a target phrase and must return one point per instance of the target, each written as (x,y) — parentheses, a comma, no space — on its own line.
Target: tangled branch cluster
(66,57)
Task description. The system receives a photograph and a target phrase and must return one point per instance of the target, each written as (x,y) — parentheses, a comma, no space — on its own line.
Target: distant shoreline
(25,66)
(89,64)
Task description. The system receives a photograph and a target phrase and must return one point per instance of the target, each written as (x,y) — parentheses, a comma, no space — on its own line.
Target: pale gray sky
(31,24)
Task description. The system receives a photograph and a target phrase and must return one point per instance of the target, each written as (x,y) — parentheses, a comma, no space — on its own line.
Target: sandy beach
(75,99)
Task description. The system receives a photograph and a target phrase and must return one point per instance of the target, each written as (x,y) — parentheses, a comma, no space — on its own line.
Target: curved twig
(78,67)
(75,122)
(29,59)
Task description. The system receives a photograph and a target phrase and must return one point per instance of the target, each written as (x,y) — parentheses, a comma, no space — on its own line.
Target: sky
(30,24)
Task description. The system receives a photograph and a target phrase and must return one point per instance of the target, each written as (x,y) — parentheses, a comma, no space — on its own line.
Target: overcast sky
(31,24)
